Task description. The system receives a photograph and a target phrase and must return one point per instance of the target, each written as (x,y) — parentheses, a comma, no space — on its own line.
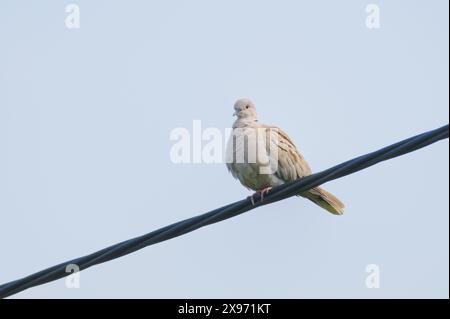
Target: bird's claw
(261,193)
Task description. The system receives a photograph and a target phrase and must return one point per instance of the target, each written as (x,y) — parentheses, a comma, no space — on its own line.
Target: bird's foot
(261,193)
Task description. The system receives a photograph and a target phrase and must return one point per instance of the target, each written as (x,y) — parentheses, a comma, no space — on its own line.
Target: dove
(262,157)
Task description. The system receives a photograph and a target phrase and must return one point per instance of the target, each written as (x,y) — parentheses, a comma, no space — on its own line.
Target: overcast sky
(86,115)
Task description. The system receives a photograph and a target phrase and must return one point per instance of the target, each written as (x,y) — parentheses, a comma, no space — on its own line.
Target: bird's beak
(235,113)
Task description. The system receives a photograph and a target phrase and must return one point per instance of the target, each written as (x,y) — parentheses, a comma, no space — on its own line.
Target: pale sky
(86,115)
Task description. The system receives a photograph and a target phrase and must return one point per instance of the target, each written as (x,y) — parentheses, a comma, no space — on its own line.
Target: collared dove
(263,156)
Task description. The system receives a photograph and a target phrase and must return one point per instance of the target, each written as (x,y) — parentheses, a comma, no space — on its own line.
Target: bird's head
(245,109)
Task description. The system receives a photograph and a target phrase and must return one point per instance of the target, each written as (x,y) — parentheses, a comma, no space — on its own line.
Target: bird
(263,156)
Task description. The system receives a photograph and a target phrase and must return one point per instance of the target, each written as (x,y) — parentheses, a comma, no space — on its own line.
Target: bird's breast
(248,158)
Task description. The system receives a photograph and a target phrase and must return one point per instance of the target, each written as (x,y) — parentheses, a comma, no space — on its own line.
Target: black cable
(228,211)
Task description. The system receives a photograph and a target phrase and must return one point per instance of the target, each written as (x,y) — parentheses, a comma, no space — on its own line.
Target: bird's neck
(243,122)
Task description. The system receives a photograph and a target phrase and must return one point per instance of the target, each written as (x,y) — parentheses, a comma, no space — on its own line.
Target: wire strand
(231,210)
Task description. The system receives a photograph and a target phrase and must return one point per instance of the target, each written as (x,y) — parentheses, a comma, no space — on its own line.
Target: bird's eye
(247,106)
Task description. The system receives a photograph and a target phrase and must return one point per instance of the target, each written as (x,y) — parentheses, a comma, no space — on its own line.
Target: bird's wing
(291,164)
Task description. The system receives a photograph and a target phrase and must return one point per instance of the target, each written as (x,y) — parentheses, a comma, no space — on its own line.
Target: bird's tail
(325,200)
